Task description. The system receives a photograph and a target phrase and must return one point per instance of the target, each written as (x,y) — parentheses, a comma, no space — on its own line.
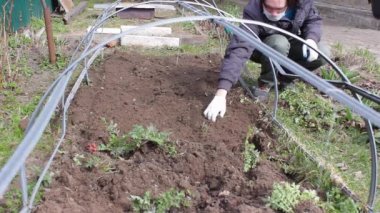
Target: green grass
(323,132)
(13,199)
(304,166)
(233,9)
(12,112)
(212,46)
(359,59)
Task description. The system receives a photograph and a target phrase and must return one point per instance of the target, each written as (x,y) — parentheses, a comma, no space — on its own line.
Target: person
(299,17)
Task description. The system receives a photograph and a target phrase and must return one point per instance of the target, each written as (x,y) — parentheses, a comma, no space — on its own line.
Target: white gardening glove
(309,53)
(217,106)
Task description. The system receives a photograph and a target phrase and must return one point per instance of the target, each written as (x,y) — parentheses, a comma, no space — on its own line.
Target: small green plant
(37,23)
(250,154)
(60,63)
(121,145)
(163,203)
(18,41)
(233,9)
(337,202)
(308,110)
(92,162)
(286,196)
(78,159)
(13,198)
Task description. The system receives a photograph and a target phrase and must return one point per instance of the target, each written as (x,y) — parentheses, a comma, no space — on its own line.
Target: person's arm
(312,26)
(312,32)
(236,55)
(239,50)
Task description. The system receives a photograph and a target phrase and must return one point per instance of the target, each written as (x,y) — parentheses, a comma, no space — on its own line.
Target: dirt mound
(171,94)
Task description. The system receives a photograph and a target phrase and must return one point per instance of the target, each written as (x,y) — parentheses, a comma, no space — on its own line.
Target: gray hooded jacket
(306,23)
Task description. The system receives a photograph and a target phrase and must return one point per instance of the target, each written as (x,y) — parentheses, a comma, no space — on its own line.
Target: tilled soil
(171,94)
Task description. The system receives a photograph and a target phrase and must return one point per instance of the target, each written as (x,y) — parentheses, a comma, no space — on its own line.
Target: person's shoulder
(254,3)
(253,6)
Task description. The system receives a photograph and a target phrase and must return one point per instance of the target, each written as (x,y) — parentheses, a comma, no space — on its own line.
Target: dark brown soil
(170,93)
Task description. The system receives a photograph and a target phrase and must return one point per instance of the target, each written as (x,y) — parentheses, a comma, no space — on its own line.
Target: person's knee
(279,43)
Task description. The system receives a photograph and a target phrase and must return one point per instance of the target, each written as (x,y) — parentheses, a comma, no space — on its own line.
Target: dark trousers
(288,47)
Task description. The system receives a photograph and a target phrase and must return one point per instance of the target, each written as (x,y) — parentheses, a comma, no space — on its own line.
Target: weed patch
(250,154)
(163,203)
(286,196)
(122,145)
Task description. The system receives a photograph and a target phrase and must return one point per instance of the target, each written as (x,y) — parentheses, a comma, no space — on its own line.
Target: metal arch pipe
(373,149)
(69,69)
(365,111)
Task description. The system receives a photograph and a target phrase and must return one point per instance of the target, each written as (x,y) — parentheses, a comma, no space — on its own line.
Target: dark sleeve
(312,26)
(238,52)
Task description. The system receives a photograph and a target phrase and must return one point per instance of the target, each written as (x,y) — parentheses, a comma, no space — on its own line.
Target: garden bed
(169,93)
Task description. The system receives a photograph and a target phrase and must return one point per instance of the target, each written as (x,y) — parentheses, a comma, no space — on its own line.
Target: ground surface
(351,37)
(170,93)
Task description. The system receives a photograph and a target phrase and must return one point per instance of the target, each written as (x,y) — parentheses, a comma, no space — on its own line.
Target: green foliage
(91,162)
(12,112)
(359,58)
(61,62)
(37,23)
(307,110)
(337,202)
(304,169)
(142,204)
(13,199)
(18,41)
(234,9)
(369,60)
(163,203)
(250,154)
(330,74)
(59,26)
(188,26)
(170,199)
(121,145)
(286,196)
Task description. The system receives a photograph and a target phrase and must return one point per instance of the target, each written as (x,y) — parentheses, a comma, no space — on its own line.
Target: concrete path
(351,37)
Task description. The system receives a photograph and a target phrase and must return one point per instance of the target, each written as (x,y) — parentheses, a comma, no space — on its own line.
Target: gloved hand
(309,53)
(216,107)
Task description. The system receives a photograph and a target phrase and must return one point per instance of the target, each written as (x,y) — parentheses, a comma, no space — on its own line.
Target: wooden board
(149,41)
(74,12)
(67,5)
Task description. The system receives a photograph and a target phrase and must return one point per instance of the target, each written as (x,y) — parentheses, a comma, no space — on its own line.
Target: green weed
(13,199)
(336,202)
(59,26)
(12,114)
(358,59)
(18,41)
(163,203)
(329,146)
(61,63)
(37,23)
(286,196)
(308,111)
(250,154)
(233,9)
(91,162)
(121,145)
(368,59)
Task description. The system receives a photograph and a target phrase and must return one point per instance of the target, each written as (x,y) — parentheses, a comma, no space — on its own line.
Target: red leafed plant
(92,147)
